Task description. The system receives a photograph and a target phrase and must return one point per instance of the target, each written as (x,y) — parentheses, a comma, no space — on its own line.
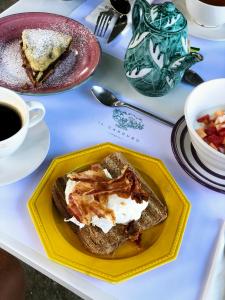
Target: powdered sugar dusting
(41,41)
(63,70)
(81,37)
(11,70)
(73,69)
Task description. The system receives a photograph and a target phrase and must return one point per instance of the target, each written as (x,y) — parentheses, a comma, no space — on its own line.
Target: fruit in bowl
(201,109)
(212,130)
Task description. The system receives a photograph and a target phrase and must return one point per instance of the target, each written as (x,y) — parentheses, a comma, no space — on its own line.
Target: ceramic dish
(188,159)
(206,98)
(159,244)
(71,71)
(28,157)
(214,34)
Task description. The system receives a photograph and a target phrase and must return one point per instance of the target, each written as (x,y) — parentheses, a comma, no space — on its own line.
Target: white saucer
(28,157)
(215,34)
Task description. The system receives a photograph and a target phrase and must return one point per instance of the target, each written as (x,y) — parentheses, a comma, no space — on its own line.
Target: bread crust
(92,237)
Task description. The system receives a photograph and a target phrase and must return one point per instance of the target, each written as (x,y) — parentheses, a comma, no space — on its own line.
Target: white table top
(180,279)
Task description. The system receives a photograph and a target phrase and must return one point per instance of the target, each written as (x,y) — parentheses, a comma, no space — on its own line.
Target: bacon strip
(91,192)
(96,173)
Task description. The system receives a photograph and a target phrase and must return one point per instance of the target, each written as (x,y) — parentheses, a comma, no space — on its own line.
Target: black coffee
(214,2)
(10,121)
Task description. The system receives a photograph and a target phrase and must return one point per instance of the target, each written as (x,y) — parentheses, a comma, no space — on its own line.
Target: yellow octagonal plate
(159,244)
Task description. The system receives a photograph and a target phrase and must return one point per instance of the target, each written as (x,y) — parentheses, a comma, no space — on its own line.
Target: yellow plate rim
(173,252)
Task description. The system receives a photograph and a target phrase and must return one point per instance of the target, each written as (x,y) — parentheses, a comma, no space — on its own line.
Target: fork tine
(107,24)
(104,21)
(97,23)
(100,23)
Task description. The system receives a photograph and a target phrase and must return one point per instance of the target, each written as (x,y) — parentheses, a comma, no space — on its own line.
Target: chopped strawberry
(221,132)
(215,139)
(211,124)
(204,119)
(211,130)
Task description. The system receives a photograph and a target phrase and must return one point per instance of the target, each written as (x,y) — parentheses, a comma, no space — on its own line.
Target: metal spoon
(107,98)
(192,78)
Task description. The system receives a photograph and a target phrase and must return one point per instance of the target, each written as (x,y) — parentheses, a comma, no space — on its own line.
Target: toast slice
(41,51)
(92,237)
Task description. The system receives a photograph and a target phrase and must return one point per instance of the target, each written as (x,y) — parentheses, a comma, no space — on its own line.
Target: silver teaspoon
(105,97)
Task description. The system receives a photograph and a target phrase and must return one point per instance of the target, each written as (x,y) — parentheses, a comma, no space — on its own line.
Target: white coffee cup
(206,15)
(31,113)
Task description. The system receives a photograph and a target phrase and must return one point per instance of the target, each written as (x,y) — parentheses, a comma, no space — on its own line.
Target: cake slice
(96,187)
(41,50)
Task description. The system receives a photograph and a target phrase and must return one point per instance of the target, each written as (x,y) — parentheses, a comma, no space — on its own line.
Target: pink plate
(73,70)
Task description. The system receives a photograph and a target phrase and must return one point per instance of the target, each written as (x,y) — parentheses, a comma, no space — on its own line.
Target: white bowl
(206,98)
